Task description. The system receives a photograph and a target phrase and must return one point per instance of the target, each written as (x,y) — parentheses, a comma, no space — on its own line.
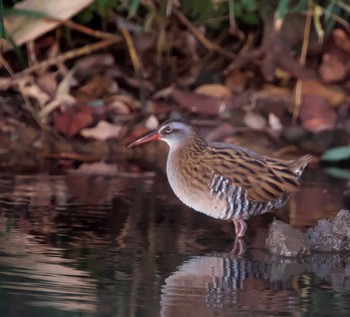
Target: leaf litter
(103,91)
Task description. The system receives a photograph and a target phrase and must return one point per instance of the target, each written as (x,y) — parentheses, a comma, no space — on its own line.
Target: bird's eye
(168,129)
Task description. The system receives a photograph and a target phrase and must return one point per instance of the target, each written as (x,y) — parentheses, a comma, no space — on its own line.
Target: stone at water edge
(286,241)
(331,235)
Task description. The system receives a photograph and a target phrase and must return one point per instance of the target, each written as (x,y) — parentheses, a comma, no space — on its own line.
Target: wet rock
(331,235)
(284,240)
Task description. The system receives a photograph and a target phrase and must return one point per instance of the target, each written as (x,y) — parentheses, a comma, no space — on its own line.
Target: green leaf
(134,4)
(34,14)
(2,28)
(282,9)
(338,172)
(337,154)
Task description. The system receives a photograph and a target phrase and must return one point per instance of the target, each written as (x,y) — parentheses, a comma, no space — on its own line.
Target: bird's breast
(191,185)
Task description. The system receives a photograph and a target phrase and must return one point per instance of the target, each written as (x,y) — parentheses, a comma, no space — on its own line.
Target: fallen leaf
(317,114)
(214,90)
(22,29)
(152,122)
(275,123)
(92,65)
(122,103)
(332,68)
(103,131)
(73,119)
(236,80)
(97,87)
(254,121)
(27,87)
(198,103)
(342,39)
(333,95)
(47,82)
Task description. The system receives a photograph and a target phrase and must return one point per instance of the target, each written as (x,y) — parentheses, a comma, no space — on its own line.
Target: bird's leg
(240,227)
(238,247)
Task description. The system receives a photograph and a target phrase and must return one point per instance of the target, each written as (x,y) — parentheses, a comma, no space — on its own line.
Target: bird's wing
(261,177)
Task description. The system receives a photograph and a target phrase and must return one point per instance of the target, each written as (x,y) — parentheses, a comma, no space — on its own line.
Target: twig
(83,29)
(298,87)
(211,46)
(136,63)
(135,59)
(87,49)
(6,66)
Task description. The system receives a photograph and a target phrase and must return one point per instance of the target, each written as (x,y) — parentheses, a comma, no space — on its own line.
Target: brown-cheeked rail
(222,180)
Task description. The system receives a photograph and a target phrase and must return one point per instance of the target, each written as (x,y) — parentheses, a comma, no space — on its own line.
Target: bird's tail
(299,164)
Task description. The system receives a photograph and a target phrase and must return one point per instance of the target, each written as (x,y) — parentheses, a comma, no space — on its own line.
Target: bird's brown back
(264,178)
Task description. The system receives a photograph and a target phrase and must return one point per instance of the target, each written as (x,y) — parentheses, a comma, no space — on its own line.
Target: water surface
(120,245)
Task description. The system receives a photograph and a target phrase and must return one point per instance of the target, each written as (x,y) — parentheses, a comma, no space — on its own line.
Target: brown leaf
(122,103)
(23,28)
(332,68)
(72,120)
(342,39)
(213,90)
(236,80)
(333,95)
(317,114)
(254,121)
(29,88)
(96,88)
(47,83)
(103,131)
(92,65)
(198,103)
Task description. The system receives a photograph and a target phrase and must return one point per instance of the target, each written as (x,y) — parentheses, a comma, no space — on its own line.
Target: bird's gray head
(175,133)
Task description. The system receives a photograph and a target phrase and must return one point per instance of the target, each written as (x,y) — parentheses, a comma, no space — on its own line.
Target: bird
(222,180)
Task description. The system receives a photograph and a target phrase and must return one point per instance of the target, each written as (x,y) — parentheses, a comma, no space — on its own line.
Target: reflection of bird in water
(222,180)
(205,284)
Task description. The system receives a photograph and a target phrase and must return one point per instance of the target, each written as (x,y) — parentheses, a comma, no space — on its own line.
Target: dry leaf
(152,122)
(47,82)
(333,95)
(22,29)
(214,90)
(27,87)
(275,123)
(342,39)
(72,120)
(254,121)
(236,80)
(332,68)
(103,131)
(198,103)
(97,87)
(317,114)
(94,64)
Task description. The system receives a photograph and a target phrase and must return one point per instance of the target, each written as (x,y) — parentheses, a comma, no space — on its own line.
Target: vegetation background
(77,78)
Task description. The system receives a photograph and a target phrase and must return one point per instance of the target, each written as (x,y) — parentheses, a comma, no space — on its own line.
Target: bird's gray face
(174,133)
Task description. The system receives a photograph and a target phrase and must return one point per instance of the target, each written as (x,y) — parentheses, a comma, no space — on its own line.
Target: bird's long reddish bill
(149,137)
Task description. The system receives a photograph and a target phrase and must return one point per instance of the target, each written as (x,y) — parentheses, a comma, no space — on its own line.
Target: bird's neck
(188,150)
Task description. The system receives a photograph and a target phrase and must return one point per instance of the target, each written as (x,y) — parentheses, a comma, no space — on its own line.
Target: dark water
(88,245)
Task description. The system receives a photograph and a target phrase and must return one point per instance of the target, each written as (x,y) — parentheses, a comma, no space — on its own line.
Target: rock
(331,235)
(284,240)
